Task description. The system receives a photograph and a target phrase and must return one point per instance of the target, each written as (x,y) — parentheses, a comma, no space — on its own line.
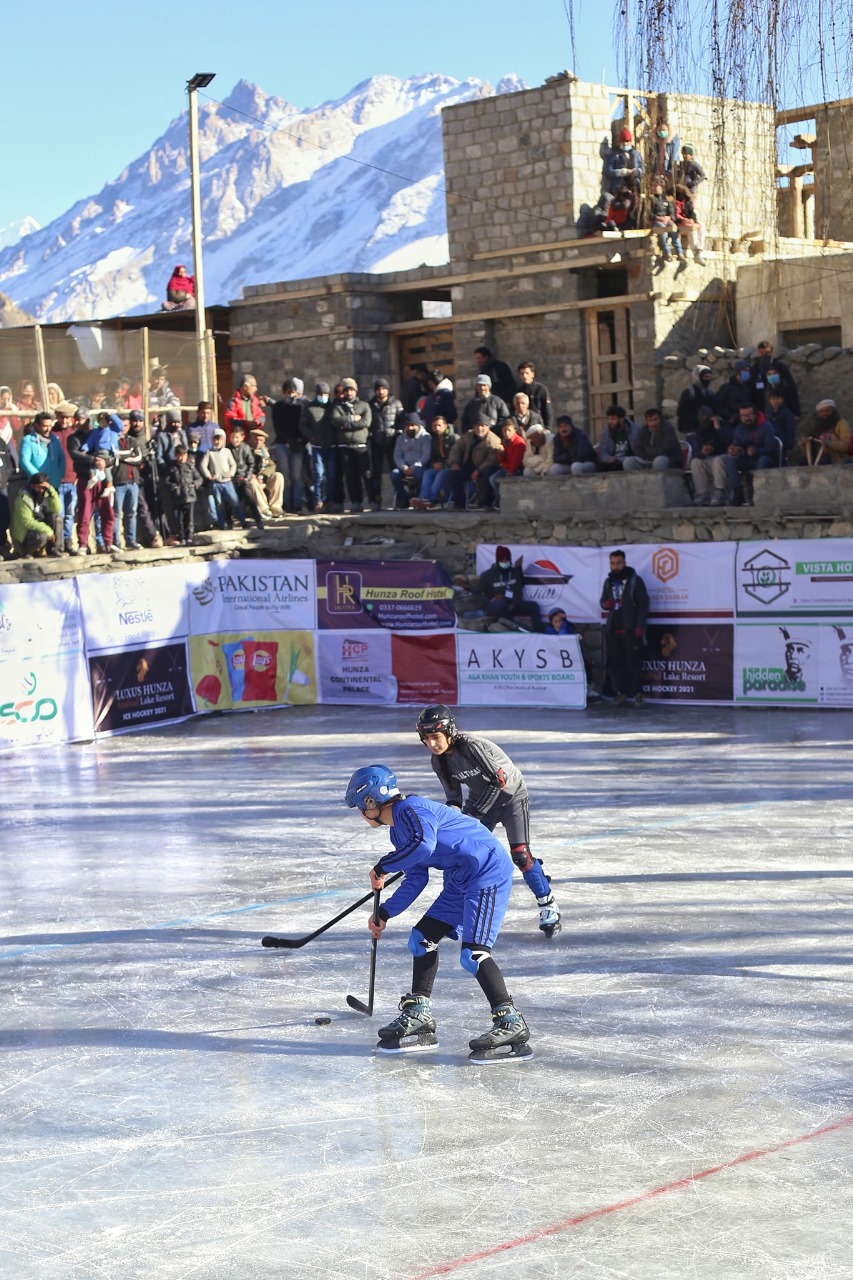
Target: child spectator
(510,457)
(184,483)
(558,624)
(781,421)
(664,225)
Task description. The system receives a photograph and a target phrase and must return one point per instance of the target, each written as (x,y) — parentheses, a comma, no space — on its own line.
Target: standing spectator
(126,480)
(167,439)
(289,449)
(485,404)
(440,400)
(500,374)
(435,481)
(740,389)
(523,415)
(8,469)
(615,443)
(502,588)
(474,450)
(184,481)
(67,488)
(267,481)
(245,406)
(351,419)
(689,171)
(768,372)
(95,495)
(656,446)
(664,225)
(538,452)
(536,392)
(781,421)
(160,394)
(753,448)
(204,425)
(623,166)
(244,470)
(625,601)
(387,417)
(37,518)
(317,429)
(414,387)
(826,438)
(218,466)
(711,441)
(510,459)
(573,451)
(41,452)
(693,398)
(148,509)
(411,455)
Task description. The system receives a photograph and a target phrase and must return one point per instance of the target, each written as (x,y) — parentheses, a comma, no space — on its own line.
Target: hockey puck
(323,1022)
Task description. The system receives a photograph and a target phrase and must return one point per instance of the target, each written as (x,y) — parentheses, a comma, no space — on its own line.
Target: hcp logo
(766,577)
(665,564)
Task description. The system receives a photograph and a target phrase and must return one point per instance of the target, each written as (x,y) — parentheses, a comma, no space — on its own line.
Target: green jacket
(24,518)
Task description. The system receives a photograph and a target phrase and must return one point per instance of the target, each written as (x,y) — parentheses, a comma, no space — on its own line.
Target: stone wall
(833,155)
(819,372)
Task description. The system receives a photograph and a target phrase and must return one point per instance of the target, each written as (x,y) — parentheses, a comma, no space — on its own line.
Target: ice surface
(169,1107)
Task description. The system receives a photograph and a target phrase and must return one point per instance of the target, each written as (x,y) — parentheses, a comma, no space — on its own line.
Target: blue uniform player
(477,880)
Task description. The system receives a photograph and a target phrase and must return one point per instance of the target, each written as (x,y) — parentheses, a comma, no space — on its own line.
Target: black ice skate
(505,1042)
(549,916)
(413,1028)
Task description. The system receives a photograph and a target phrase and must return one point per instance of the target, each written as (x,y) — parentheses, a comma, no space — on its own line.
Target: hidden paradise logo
(791,671)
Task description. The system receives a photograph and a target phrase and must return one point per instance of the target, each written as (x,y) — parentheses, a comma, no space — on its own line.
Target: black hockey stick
(371,982)
(293,944)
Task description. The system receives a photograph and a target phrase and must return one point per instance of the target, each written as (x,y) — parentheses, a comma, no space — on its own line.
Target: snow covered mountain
(281,198)
(15,231)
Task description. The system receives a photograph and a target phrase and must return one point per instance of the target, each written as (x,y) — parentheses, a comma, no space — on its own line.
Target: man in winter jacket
(126,477)
(615,444)
(266,480)
(440,400)
(781,420)
(37,518)
(317,429)
(244,470)
(475,451)
(711,441)
(740,389)
(218,466)
(435,480)
(573,451)
(536,392)
(523,414)
(753,448)
(501,378)
(387,421)
(351,419)
(625,601)
(692,399)
(484,404)
(768,373)
(67,488)
(502,588)
(412,453)
(656,446)
(290,448)
(245,406)
(40,451)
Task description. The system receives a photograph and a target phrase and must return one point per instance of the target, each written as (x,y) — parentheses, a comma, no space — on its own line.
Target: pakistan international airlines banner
(44,686)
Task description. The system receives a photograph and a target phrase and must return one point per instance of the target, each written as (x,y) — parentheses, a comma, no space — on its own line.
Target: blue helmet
(374,782)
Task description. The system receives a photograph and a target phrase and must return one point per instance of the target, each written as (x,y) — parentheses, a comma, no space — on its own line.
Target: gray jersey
(487,772)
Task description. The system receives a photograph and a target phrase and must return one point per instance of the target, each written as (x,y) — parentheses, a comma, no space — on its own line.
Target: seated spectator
(523,415)
(615,443)
(37,518)
(435,481)
(180,291)
(484,404)
(656,446)
(558,624)
(536,392)
(42,453)
(439,401)
(622,211)
(538,452)
(218,466)
(184,482)
(623,166)
(664,225)
(501,380)
(573,451)
(412,453)
(782,422)
(711,441)
(753,448)
(825,438)
(244,467)
(267,481)
(592,219)
(502,588)
(693,398)
(690,229)
(740,389)
(768,372)
(474,450)
(510,459)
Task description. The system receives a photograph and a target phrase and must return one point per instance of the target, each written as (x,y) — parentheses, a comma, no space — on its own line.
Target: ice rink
(170,1109)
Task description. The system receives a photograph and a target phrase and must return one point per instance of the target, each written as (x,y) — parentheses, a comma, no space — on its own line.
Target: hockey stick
(371,982)
(293,944)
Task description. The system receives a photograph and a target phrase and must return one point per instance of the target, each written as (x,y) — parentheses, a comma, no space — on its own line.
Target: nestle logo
(353,649)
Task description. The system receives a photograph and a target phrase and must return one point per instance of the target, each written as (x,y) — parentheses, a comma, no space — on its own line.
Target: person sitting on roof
(180,291)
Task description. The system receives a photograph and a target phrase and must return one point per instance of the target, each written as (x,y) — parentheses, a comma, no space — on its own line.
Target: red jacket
(512,454)
(181,284)
(234,414)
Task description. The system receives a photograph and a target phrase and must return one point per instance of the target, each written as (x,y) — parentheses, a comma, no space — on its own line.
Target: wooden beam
(577,242)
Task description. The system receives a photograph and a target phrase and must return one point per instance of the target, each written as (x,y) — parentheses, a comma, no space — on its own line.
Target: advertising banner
(804,579)
(253,595)
(689,661)
(129,610)
(139,688)
(45,701)
(40,618)
(520,670)
(234,671)
(794,662)
(568,578)
(408,595)
(690,580)
(355,666)
(424,667)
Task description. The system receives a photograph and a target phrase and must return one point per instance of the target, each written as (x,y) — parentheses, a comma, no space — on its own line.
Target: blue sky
(89,86)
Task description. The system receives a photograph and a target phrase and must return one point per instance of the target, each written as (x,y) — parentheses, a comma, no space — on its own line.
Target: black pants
(624,655)
(381,458)
(356,468)
(185,515)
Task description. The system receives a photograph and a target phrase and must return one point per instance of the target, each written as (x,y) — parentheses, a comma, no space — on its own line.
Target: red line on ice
(444,1268)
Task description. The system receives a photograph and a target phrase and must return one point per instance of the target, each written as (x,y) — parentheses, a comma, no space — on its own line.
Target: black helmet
(437,719)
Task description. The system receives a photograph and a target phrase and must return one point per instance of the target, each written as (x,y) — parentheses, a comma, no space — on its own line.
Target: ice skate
(505,1042)
(413,1028)
(549,916)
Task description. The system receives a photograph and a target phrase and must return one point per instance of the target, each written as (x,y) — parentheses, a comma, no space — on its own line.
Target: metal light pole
(199,81)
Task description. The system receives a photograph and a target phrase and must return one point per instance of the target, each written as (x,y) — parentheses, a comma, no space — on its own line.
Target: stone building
(597,314)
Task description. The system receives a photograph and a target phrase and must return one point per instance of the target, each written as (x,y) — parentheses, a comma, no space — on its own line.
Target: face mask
(663,133)
(773,379)
(504,564)
(322,399)
(705,379)
(744,375)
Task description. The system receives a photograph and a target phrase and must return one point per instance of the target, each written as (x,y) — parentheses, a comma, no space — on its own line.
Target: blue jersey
(426,835)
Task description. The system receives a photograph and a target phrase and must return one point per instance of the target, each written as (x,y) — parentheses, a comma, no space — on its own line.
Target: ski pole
(293,944)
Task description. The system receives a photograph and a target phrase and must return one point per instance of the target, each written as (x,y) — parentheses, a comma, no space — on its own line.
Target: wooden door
(434,348)
(608,354)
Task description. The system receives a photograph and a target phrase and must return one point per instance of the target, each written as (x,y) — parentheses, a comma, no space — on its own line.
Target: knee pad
(419,945)
(522,857)
(471,958)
